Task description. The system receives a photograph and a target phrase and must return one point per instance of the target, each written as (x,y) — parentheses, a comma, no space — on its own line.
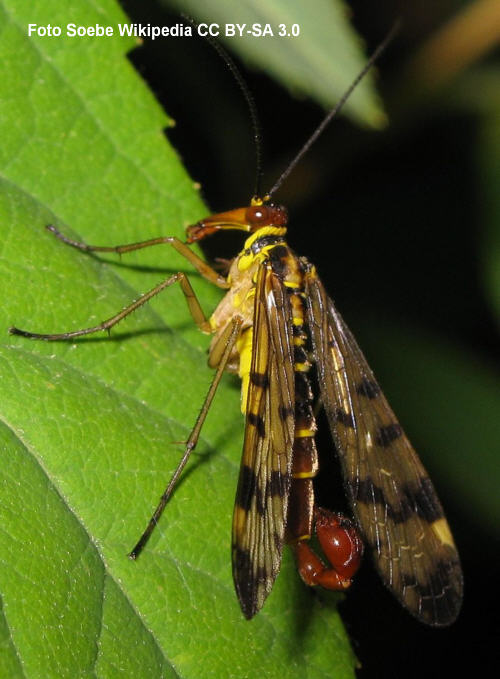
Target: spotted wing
(393,499)
(262,496)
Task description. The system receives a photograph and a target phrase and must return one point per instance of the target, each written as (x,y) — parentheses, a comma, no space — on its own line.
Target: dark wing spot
(259,379)
(242,561)
(441,597)
(257,421)
(386,435)
(246,487)
(278,484)
(246,585)
(285,412)
(368,388)
(364,490)
(344,418)
(426,501)
(367,492)
(409,580)
(260,503)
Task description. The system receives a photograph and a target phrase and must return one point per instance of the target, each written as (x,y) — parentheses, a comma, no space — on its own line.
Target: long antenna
(335,110)
(252,108)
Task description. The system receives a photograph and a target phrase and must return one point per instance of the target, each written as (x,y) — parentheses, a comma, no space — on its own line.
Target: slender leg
(191,299)
(235,326)
(183,249)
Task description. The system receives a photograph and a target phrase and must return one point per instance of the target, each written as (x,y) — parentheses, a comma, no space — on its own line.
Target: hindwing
(392,497)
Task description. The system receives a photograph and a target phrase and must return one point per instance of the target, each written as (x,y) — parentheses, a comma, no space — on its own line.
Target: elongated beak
(230,220)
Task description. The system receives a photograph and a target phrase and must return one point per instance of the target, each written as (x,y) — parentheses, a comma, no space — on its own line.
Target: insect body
(287,321)
(275,498)
(274,324)
(277,328)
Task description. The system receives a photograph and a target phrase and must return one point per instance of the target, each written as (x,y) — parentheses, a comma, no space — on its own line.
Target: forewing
(393,499)
(264,482)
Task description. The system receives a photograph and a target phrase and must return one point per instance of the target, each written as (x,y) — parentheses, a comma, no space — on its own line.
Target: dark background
(400,209)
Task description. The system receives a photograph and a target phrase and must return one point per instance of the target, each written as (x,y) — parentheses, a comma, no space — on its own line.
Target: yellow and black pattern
(262,497)
(393,499)
(274,321)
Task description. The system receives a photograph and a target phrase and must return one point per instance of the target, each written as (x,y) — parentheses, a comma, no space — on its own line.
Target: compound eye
(258,214)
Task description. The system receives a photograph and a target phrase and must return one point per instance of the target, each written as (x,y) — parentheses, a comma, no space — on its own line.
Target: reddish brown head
(250,219)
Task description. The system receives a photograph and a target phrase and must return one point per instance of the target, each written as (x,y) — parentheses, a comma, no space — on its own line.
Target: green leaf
(321,62)
(88,427)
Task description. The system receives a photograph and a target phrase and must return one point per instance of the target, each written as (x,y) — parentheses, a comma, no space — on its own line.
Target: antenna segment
(335,110)
(252,108)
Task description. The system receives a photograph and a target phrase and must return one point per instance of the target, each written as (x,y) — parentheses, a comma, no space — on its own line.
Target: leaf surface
(88,427)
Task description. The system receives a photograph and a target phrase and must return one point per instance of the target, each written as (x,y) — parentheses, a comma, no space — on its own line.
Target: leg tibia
(204,269)
(191,299)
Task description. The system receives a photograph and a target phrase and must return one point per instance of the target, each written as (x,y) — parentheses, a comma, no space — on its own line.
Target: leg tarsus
(69,241)
(199,264)
(236,324)
(192,302)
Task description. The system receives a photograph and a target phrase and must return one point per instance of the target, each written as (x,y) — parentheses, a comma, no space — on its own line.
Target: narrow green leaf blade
(321,62)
